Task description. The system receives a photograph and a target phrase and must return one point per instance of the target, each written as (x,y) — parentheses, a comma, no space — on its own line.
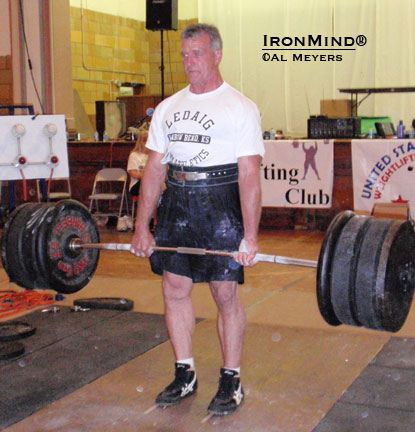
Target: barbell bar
(76,244)
(365,269)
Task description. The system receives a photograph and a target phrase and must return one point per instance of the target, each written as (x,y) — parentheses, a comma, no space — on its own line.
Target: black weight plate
(385,300)
(394,301)
(40,245)
(342,282)
(4,237)
(9,350)
(367,272)
(105,303)
(67,271)
(324,266)
(382,301)
(15,330)
(30,242)
(14,247)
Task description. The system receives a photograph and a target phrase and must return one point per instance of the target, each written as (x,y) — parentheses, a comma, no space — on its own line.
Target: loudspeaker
(161,15)
(110,118)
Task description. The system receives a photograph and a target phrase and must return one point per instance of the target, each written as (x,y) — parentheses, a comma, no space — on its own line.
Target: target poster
(383,172)
(33,147)
(297,174)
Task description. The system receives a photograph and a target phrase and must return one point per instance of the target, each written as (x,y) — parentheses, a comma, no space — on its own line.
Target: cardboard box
(391,211)
(335,108)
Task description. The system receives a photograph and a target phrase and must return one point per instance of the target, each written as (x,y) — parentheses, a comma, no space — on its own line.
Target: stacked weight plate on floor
(35,248)
(366,272)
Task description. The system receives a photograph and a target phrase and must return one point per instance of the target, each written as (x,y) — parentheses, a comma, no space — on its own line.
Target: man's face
(200,62)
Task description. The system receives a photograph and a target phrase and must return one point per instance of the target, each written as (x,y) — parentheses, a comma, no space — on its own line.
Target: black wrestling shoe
(230,394)
(184,385)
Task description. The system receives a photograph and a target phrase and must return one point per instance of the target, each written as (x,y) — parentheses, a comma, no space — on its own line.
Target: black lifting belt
(203,176)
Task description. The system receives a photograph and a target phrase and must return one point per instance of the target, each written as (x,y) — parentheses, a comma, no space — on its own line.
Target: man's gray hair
(195,30)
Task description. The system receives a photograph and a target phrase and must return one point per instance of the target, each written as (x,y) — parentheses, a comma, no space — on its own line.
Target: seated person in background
(136,162)
(135,167)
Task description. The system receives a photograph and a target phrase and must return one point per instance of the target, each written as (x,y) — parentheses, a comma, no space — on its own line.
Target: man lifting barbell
(210,136)
(365,269)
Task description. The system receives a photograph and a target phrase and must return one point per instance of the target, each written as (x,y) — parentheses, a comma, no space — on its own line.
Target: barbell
(365,268)
(76,244)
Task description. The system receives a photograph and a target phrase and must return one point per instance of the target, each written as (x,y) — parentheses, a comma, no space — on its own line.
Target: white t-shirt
(207,129)
(136,161)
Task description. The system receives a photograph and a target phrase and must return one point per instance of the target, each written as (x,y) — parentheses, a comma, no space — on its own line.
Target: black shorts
(207,217)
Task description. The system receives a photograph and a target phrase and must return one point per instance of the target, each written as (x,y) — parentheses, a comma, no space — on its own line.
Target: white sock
(189,361)
(237,369)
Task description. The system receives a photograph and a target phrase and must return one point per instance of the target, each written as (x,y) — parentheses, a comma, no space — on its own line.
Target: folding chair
(57,188)
(110,185)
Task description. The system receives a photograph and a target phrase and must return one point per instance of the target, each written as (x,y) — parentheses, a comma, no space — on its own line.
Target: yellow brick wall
(6,82)
(174,76)
(111,49)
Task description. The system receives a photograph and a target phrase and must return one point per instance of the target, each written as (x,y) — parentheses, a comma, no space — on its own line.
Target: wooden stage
(295,367)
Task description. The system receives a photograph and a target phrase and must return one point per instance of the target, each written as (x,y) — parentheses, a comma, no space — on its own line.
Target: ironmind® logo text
(282,49)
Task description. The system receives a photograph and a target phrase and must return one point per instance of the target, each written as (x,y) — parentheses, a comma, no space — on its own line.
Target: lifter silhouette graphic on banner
(310,159)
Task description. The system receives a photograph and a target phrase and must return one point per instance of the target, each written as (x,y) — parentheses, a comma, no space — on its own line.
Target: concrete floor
(295,367)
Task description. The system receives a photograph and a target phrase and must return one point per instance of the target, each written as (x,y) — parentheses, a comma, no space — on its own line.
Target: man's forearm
(251,208)
(250,195)
(150,191)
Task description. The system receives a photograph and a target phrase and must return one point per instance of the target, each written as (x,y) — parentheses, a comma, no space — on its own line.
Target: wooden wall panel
(86,158)
(136,106)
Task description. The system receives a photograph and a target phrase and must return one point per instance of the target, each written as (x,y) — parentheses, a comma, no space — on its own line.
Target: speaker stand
(162,65)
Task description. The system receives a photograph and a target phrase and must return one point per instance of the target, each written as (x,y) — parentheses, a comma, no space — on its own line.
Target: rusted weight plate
(385,274)
(324,266)
(10,350)
(105,303)
(10,331)
(66,270)
(343,270)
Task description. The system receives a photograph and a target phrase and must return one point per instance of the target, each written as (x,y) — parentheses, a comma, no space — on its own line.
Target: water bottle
(371,133)
(401,129)
(96,136)
(105,136)
(412,133)
(272,134)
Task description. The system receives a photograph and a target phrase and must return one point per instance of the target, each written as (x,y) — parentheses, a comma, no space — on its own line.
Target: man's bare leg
(231,329)
(180,322)
(231,321)
(179,313)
